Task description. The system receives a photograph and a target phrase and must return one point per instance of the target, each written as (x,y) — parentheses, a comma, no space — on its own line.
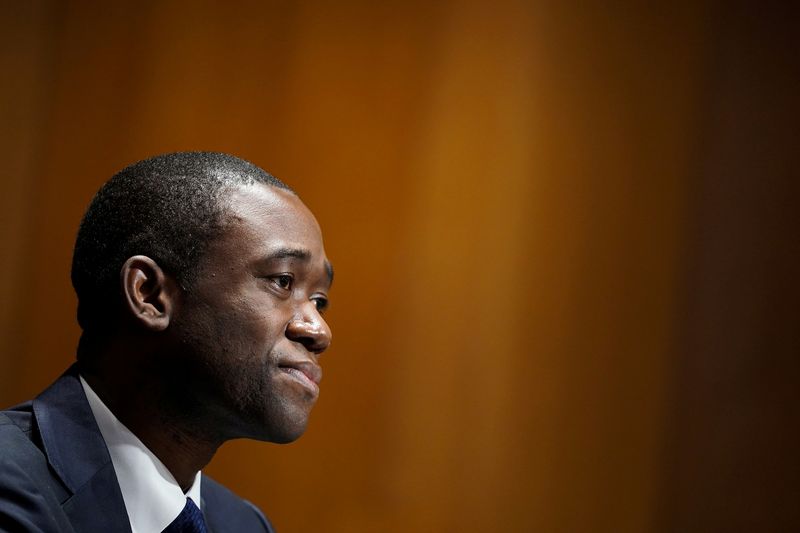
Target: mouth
(306,373)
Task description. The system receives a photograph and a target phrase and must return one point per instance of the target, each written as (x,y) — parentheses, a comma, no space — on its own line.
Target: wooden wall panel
(506,190)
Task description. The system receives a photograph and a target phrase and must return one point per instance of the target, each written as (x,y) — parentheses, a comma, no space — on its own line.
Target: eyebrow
(283,253)
(303,255)
(329,270)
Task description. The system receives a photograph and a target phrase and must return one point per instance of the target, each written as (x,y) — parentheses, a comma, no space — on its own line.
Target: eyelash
(320,302)
(282,277)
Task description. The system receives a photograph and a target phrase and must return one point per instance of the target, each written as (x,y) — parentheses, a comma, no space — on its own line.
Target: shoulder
(20,416)
(18,439)
(225,511)
(30,497)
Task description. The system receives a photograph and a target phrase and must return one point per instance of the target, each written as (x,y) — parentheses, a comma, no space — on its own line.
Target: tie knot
(189,521)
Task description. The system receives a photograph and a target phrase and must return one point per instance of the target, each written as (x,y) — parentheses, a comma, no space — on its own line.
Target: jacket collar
(76,451)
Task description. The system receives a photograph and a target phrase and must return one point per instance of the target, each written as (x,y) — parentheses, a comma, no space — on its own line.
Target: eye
(283,281)
(321,302)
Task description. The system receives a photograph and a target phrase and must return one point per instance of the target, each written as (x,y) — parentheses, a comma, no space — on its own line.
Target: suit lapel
(76,450)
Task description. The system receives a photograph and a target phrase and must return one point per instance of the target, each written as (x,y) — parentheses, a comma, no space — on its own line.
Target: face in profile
(251,326)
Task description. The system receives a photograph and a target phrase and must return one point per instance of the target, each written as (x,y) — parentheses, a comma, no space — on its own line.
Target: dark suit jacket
(56,473)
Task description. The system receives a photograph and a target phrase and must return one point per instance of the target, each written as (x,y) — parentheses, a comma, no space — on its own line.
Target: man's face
(251,325)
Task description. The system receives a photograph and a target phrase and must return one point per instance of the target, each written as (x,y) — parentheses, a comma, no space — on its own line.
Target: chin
(279,432)
(283,435)
(274,419)
(284,439)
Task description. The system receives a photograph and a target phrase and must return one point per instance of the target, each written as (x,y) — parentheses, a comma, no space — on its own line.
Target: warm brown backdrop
(565,235)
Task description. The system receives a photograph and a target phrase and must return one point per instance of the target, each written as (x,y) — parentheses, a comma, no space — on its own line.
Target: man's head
(168,208)
(218,270)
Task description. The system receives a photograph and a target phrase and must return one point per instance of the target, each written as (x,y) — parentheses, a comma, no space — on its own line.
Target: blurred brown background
(565,237)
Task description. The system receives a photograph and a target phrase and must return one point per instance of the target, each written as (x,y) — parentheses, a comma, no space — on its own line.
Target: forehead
(260,219)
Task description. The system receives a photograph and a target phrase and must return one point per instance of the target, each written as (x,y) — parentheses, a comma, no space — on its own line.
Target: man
(201,284)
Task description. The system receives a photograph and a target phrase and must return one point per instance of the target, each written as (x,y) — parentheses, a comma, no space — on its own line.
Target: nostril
(313,336)
(309,343)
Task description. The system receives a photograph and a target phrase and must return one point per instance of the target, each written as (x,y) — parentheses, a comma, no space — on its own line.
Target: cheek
(235,335)
(260,330)
(249,341)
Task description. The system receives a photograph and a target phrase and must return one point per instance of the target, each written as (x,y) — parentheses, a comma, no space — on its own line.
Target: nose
(309,329)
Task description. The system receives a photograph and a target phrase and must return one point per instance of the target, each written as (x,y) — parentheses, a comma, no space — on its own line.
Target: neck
(158,419)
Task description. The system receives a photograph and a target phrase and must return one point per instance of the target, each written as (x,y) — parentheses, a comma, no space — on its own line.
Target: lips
(305,372)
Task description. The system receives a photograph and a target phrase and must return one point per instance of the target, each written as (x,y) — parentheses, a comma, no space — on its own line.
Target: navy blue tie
(189,521)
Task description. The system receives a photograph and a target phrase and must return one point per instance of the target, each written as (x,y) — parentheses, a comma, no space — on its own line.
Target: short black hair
(168,208)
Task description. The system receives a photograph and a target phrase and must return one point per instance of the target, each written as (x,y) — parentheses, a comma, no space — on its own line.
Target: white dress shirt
(152,497)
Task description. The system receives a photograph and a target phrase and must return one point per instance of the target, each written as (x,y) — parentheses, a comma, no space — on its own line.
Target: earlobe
(148,292)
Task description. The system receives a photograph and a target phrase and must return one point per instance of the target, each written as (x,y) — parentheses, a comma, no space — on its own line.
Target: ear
(149,294)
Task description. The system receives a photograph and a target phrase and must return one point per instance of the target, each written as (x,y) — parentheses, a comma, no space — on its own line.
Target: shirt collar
(152,496)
